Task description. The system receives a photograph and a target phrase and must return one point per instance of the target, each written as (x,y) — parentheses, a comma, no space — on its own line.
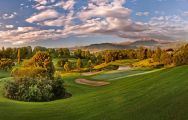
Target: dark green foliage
(27,89)
(63,52)
(61,62)
(82,54)
(39,48)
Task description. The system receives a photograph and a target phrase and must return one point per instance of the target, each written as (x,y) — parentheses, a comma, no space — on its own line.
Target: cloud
(42,2)
(24,35)
(97,17)
(185,13)
(102,9)
(9,26)
(9,16)
(44,15)
(25,29)
(142,13)
(66,5)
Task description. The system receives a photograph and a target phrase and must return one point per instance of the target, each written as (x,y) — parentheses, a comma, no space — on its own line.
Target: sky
(68,23)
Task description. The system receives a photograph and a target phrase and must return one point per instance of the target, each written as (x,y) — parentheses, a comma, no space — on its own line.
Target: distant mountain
(126,45)
(108,46)
(145,43)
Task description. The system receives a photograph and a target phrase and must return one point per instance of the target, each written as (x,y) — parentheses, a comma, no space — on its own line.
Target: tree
(157,55)
(78,53)
(39,48)
(90,66)
(67,67)
(63,52)
(108,57)
(166,58)
(78,63)
(18,56)
(181,56)
(61,62)
(34,80)
(142,53)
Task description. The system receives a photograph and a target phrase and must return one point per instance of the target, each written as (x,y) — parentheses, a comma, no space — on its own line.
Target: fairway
(160,95)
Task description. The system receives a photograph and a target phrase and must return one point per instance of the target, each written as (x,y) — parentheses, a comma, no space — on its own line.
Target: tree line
(8,56)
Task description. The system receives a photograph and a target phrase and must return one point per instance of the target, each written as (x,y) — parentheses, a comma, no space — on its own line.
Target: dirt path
(91,83)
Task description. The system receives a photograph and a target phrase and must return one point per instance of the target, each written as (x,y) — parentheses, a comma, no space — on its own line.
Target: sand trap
(124,68)
(89,73)
(91,83)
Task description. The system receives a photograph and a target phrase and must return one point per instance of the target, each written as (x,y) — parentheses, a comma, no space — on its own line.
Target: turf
(161,95)
(4,74)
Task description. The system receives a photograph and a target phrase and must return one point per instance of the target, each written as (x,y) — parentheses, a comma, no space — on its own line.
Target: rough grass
(162,95)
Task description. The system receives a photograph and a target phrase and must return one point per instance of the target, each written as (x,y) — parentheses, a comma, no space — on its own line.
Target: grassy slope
(157,96)
(4,74)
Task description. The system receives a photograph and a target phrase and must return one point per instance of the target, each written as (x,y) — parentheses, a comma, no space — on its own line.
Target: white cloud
(9,16)
(106,17)
(68,5)
(44,15)
(142,13)
(9,26)
(42,2)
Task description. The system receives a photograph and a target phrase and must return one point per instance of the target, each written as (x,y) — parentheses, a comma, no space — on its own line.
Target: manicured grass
(114,74)
(161,95)
(125,62)
(4,74)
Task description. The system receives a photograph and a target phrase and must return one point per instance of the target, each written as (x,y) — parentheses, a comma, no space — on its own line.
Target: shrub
(27,89)
(61,62)
(34,81)
(6,64)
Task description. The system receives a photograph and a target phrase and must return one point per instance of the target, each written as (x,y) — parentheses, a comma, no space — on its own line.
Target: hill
(150,43)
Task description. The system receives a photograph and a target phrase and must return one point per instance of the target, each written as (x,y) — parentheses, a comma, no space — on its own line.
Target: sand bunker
(89,73)
(122,68)
(91,83)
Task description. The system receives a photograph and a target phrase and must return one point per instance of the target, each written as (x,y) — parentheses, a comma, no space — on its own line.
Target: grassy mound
(161,95)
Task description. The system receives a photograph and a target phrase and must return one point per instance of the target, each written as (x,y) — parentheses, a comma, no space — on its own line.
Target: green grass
(114,74)
(161,95)
(4,74)
(125,62)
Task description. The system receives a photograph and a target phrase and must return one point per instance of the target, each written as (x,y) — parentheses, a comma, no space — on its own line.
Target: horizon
(60,23)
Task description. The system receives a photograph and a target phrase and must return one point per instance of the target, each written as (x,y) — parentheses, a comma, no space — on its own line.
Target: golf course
(157,95)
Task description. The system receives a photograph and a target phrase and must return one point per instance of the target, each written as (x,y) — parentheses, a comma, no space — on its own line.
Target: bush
(6,64)
(111,67)
(61,62)
(105,66)
(27,89)
(34,81)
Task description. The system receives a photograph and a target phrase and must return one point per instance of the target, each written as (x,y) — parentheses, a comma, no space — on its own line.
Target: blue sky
(66,23)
